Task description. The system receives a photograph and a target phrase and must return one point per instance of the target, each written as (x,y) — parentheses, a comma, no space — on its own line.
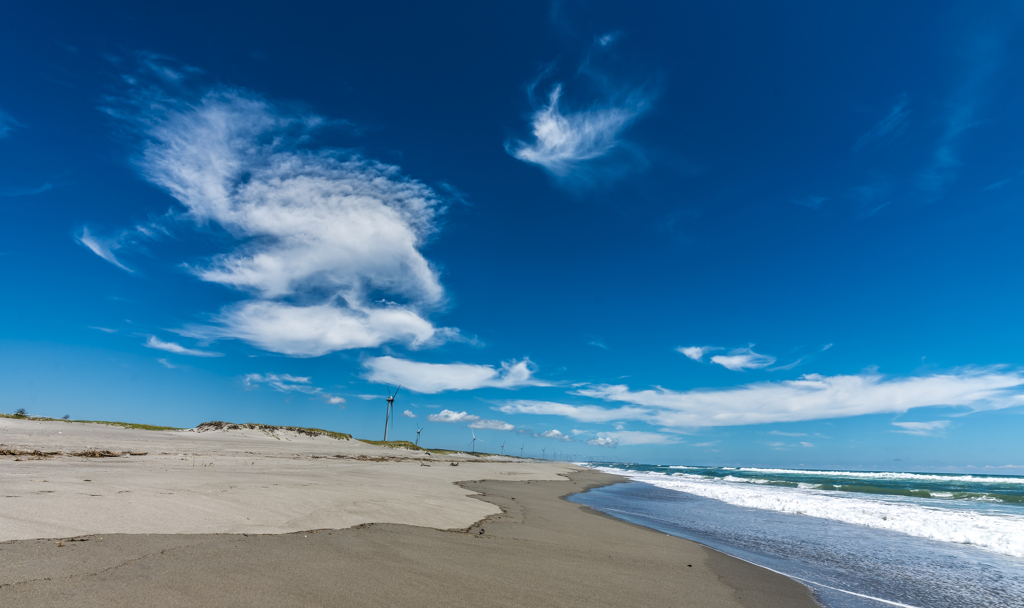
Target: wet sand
(530,548)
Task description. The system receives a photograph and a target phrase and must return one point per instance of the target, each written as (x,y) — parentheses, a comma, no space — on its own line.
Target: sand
(300,529)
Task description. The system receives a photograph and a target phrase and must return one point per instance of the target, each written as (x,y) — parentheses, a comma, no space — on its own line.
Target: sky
(728,234)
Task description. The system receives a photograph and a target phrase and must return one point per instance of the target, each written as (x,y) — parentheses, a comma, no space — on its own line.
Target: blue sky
(709,234)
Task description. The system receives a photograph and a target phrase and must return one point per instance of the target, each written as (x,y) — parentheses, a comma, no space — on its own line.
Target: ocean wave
(888,475)
(1000,533)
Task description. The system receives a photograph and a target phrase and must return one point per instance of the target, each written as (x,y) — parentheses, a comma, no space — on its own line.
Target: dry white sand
(230,481)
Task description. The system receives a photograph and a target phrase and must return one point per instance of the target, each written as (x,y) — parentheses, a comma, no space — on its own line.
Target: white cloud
(742,359)
(452,417)
(286,383)
(787,434)
(583,413)
(408,414)
(334,399)
(312,331)
(826,347)
(102,247)
(495,425)
(807,444)
(605,442)
(706,444)
(433,378)
(815,397)
(555,434)
(173,347)
(925,429)
(167,364)
(315,232)
(696,352)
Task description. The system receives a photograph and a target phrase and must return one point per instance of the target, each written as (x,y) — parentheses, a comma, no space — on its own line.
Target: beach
(279,518)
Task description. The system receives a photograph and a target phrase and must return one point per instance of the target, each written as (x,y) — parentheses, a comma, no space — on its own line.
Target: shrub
(20,412)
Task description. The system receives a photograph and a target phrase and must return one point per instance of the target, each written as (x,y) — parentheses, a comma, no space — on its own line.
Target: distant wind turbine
(475,440)
(419,429)
(502,448)
(389,415)
(543,452)
(521,450)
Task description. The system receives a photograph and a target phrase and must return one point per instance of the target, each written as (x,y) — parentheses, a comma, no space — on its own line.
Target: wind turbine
(521,450)
(389,414)
(543,451)
(419,429)
(475,440)
(502,448)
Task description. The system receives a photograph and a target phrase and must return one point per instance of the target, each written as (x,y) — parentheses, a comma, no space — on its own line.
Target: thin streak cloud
(174,347)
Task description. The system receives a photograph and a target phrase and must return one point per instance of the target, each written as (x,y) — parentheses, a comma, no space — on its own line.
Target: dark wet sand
(542,551)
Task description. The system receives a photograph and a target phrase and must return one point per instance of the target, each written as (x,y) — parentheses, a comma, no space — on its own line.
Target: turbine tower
(521,450)
(419,429)
(502,448)
(389,413)
(475,440)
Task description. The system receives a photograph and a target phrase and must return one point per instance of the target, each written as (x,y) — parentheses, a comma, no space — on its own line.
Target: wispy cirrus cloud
(287,383)
(102,247)
(567,142)
(7,124)
(430,378)
(29,191)
(817,397)
(583,413)
(778,445)
(890,127)
(178,349)
(923,429)
(742,359)
(326,244)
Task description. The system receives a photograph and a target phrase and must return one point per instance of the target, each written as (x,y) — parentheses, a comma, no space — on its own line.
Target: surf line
(804,580)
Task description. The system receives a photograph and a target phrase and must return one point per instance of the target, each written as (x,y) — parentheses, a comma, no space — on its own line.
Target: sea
(858,539)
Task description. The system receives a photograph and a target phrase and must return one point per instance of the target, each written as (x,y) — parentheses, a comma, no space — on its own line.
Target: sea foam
(996,532)
(882,475)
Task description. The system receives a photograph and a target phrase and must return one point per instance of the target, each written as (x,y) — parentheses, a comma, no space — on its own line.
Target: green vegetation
(408,445)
